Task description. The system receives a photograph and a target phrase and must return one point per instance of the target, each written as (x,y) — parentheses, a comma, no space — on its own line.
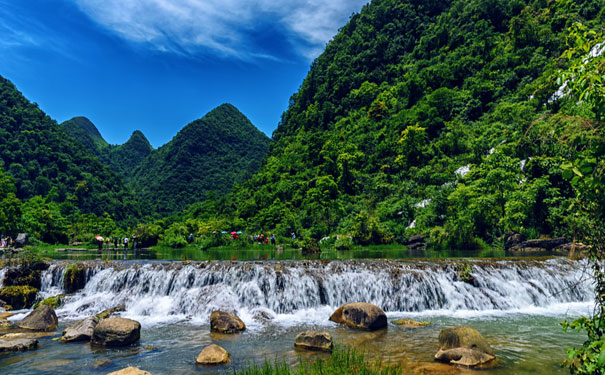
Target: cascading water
(168,292)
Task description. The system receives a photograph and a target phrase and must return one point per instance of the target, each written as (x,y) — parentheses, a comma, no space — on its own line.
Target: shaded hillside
(121,159)
(419,117)
(207,155)
(42,158)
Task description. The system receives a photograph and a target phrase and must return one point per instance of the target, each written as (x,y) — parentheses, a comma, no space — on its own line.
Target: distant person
(293,236)
(125,243)
(115,242)
(272,239)
(190,238)
(266,240)
(100,243)
(134,242)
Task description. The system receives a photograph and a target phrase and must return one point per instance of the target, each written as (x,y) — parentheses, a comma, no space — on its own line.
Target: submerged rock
(130,371)
(463,346)
(360,315)
(81,331)
(409,323)
(116,332)
(224,322)
(41,319)
(18,345)
(212,355)
(312,340)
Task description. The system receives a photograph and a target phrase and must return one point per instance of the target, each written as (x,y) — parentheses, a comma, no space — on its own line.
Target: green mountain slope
(207,155)
(425,116)
(42,158)
(121,159)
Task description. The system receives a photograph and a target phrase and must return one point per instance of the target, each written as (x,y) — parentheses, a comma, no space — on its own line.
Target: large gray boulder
(463,346)
(312,340)
(81,331)
(18,345)
(116,332)
(224,322)
(212,355)
(41,319)
(360,315)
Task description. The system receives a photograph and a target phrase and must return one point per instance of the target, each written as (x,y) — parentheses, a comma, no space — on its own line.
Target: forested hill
(45,161)
(426,116)
(121,159)
(208,155)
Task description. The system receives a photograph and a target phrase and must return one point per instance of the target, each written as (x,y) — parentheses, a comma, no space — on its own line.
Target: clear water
(516,304)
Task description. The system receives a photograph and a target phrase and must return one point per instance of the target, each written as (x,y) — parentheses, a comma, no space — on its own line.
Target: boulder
(116,332)
(81,331)
(464,346)
(539,245)
(512,239)
(22,240)
(224,322)
(416,242)
(212,355)
(360,315)
(130,371)
(312,340)
(18,345)
(19,297)
(29,274)
(41,319)
(74,277)
(409,323)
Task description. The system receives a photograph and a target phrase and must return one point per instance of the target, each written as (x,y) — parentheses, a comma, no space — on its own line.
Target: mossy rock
(19,297)
(409,323)
(74,278)
(53,302)
(27,274)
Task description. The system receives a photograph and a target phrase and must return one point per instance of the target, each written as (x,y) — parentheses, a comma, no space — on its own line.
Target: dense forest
(448,118)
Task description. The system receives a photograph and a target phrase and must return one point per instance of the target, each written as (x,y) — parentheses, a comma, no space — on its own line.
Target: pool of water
(524,343)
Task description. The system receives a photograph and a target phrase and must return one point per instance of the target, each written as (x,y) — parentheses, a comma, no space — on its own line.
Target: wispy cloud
(226,27)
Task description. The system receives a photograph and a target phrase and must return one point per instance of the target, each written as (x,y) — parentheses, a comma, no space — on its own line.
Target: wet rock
(464,346)
(81,331)
(74,277)
(41,319)
(224,322)
(409,323)
(464,357)
(19,296)
(26,335)
(435,369)
(312,340)
(360,315)
(263,315)
(6,315)
(5,324)
(416,242)
(101,362)
(53,302)
(18,345)
(130,371)
(29,274)
(539,245)
(512,239)
(109,312)
(116,332)
(212,355)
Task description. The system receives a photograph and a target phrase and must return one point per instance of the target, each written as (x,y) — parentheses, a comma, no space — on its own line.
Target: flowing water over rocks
(515,304)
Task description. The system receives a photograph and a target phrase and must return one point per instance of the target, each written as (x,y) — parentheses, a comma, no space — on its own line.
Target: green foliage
(19,296)
(367,230)
(74,277)
(343,360)
(53,302)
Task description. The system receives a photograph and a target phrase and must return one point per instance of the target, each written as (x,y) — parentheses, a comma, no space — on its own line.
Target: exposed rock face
(224,322)
(18,345)
(360,315)
(18,297)
(312,340)
(29,274)
(22,239)
(515,244)
(41,319)
(416,242)
(74,277)
(130,371)
(512,239)
(409,323)
(212,355)
(81,331)
(464,346)
(116,332)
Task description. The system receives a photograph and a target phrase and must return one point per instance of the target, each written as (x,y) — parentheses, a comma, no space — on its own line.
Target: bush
(344,242)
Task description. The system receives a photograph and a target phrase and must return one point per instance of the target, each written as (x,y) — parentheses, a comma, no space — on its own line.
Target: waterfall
(163,292)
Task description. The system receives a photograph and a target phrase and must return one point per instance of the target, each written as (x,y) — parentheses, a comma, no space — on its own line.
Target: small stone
(212,355)
(312,340)
(130,371)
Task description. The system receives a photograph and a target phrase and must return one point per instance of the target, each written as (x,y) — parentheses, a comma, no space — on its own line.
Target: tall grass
(343,361)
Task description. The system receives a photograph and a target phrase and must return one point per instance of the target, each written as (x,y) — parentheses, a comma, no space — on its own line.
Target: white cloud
(226,27)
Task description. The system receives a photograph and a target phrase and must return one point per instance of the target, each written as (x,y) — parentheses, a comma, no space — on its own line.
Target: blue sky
(156,65)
